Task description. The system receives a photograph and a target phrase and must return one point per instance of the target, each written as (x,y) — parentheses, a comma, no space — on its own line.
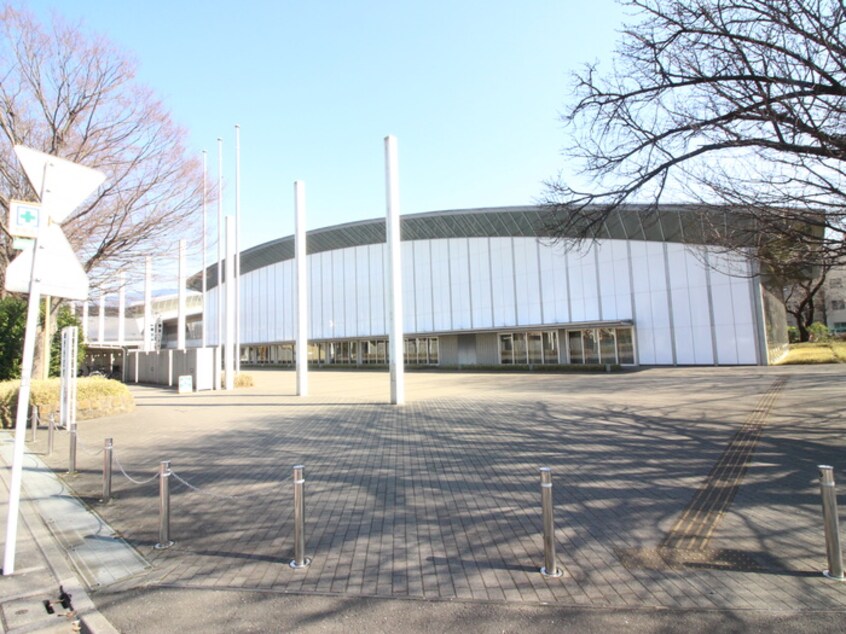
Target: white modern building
(482,287)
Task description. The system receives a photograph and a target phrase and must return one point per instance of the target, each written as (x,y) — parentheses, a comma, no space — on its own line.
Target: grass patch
(96,397)
(816,352)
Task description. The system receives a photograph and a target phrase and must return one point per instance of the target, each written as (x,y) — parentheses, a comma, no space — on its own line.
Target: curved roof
(677,223)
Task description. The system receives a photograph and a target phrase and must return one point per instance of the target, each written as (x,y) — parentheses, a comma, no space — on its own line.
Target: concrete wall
(164,367)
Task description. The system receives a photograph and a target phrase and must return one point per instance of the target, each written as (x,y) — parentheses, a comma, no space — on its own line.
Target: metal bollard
(550,569)
(300,561)
(164,506)
(33,423)
(51,429)
(72,449)
(830,522)
(107,470)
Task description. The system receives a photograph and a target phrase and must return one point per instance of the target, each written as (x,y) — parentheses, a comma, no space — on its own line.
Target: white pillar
(122,308)
(392,223)
(301,349)
(204,322)
(237,277)
(229,353)
(220,298)
(180,316)
(148,304)
(101,319)
(85,321)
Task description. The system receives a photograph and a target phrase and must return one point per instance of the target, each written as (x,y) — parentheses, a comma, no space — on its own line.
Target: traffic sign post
(62,186)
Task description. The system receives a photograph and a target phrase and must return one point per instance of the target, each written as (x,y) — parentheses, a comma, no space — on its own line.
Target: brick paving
(440,498)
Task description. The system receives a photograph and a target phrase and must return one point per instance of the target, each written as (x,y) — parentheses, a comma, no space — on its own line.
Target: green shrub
(819,331)
(95,397)
(792,334)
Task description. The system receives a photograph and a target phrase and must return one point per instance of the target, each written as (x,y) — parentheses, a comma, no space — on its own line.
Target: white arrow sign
(68,184)
(49,264)
(59,272)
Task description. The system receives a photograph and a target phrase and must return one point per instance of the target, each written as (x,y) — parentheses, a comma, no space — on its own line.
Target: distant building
(834,291)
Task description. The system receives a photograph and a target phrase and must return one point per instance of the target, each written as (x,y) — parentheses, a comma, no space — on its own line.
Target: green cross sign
(24,218)
(25,214)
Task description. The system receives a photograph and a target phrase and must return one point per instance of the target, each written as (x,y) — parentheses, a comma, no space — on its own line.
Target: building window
(532,348)
(601,345)
(421,351)
(838,304)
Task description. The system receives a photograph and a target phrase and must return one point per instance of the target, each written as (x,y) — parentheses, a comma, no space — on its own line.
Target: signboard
(60,273)
(23,218)
(186,384)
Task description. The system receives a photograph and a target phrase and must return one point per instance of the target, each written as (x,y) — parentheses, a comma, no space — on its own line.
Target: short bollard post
(550,569)
(164,506)
(33,423)
(72,449)
(107,470)
(830,521)
(300,561)
(51,429)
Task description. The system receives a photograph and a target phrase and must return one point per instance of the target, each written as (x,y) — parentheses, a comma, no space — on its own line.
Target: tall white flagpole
(148,304)
(101,318)
(392,224)
(180,315)
(121,308)
(220,297)
(205,319)
(229,356)
(301,348)
(237,278)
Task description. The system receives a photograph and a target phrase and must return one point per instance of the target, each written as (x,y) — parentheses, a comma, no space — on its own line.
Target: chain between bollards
(107,470)
(164,506)
(300,561)
(550,569)
(831,524)
(72,449)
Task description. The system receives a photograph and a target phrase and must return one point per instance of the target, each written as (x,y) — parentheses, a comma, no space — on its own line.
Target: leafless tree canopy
(73,95)
(726,102)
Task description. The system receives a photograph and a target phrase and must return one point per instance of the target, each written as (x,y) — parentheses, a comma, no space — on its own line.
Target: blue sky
(471,88)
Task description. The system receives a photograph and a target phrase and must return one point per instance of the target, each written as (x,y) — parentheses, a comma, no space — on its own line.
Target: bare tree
(737,103)
(74,95)
(802,299)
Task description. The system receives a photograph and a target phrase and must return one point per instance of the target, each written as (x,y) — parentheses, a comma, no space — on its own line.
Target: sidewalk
(53,529)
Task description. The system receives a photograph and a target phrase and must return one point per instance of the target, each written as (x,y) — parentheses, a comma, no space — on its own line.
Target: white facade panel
(336,324)
(409,310)
(461,293)
(423,286)
(481,297)
(527,275)
(351,295)
(363,289)
(378,298)
(441,296)
(502,282)
(553,271)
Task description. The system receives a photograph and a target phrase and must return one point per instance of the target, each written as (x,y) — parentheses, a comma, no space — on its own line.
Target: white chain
(219,496)
(82,446)
(129,477)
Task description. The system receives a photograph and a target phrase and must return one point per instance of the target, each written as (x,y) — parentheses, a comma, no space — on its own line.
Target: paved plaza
(674,488)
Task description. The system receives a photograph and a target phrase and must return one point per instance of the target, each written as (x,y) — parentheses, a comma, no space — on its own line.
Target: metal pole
(301,347)
(107,470)
(300,561)
(830,521)
(72,449)
(550,569)
(396,343)
(237,277)
(205,318)
(51,429)
(33,422)
(164,506)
